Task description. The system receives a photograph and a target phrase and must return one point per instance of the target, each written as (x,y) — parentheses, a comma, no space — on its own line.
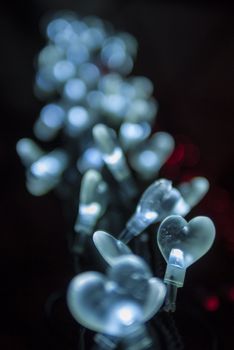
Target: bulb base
(175,275)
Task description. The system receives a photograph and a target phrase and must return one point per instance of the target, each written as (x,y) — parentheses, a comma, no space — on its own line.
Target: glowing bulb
(89,73)
(114,55)
(194,190)
(112,154)
(28,151)
(109,247)
(148,159)
(93,201)
(49,55)
(45,173)
(64,70)
(74,90)
(90,159)
(49,123)
(110,304)
(114,107)
(111,84)
(77,53)
(182,243)
(78,120)
(132,134)
(158,201)
(140,110)
(143,87)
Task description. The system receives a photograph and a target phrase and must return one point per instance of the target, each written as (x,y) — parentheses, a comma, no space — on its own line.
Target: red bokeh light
(211,303)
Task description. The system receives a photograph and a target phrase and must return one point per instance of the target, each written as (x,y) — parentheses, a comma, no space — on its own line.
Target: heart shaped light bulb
(158,201)
(182,243)
(109,247)
(109,304)
(46,172)
(194,190)
(93,201)
(148,159)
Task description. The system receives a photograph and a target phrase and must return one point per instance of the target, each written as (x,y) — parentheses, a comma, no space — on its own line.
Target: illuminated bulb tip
(28,151)
(89,183)
(200,184)
(104,137)
(163,142)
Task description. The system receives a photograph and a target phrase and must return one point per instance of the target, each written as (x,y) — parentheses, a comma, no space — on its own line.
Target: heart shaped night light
(182,243)
(108,304)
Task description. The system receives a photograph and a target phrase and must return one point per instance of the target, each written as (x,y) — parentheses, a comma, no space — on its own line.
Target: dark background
(187,49)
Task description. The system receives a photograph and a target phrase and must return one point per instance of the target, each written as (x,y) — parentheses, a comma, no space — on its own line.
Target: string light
(182,243)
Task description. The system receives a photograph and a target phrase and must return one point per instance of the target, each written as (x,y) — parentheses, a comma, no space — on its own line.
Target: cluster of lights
(106,118)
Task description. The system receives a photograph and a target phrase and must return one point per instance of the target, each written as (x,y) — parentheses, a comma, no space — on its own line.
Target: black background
(187,49)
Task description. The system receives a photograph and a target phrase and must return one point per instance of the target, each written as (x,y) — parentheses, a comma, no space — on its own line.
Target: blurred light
(75,90)
(56,26)
(77,53)
(211,303)
(50,121)
(78,120)
(114,106)
(89,73)
(28,151)
(130,43)
(49,55)
(147,159)
(91,159)
(141,110)
(93,38)
(94,99)
(64,70)
(143,87)
(52,115)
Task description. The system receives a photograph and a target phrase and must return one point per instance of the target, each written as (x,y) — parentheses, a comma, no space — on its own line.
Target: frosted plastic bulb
(112,154)
(111,83)
(46,172)
(74,90)
(142,110)
(131,273)
(158,201)
(49,55)
(182,243)
(28,151)
(109,247)
(114,108)
(194,190)
(143,87)
(93,201)
(132,134)
(101,304)
(78,120)
(49,123)
(148,160)
(90,159)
